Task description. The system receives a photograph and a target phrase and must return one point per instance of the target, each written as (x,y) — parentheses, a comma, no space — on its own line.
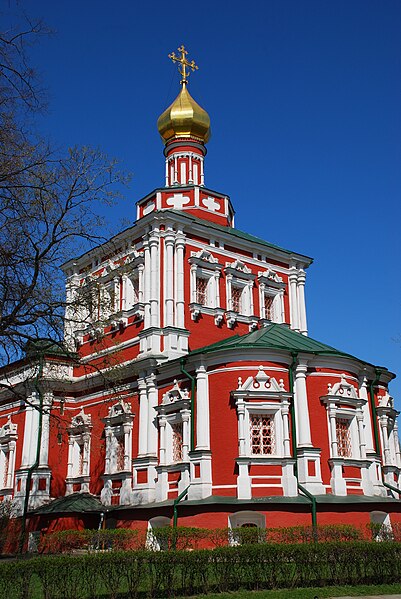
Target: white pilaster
(179,280)
(154,279)
(303,328)
(202,409)
(143,418)
(301,403)
(147,284)
(152,415)
(293,279)
(169,279)
(363,394)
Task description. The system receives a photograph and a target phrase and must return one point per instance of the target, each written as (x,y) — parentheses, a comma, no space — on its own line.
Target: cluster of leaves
(135,574)
(187,538)
(49,203)
(67,541)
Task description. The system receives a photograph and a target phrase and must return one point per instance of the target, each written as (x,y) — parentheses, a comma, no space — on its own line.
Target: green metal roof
(236,233)
(274,336)
(74,503)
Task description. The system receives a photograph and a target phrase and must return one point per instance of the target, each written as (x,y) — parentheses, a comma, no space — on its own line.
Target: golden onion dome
(184,119)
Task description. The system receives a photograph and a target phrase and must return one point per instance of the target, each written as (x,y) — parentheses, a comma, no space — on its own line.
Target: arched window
(153,541)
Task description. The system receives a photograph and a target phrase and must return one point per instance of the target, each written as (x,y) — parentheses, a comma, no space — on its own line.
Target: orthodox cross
(184,64)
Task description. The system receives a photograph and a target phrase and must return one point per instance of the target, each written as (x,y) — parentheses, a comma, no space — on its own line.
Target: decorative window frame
(203,265)
(8,442)
(174,409)
(343,402)
(79,439)
(272,285)
(243,519)
(265,396)
(240,276)
(118,425)
(133,276)
(153,542)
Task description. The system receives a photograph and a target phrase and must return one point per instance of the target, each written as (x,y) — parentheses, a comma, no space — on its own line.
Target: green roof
(274,336)
(74,503)
(236,233)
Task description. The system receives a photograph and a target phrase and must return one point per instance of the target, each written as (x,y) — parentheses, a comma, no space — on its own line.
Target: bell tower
(185,129)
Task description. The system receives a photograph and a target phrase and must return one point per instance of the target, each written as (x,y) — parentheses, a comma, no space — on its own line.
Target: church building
(189,389)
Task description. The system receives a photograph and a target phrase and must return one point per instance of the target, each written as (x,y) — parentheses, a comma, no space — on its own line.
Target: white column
(363,394)
(190,176)
(169,279)
(202,409)
(127,445)
(286,428)
(228,291)
(384,427)
(241,429)
(202,174)
(301,402)
(143,418)
(162,427)
(147,284)
(185,434)
(179,281)
(262,308)
(11,463)
(293,278)
(396,445)
(152,415)
(86,456)
(301,303)
(26,447)
(154,280)
(140,282)
(216,276)
(361,433)
(194,269)
(70,471)
(166,176)
(281,313)
(117,304)
(107,461)
(175,182)
(44,442)
(333,432)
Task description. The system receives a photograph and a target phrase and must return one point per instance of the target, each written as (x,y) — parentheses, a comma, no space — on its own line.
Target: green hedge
(67,541)
(174,573)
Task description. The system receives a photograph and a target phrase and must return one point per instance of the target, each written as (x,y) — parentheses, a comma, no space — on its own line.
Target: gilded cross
(184,64)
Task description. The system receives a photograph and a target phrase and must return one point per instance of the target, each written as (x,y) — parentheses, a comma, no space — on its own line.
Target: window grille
(236,295)
(262,434)
(120,450)
(201,291)
(269,299)
(135,290)
(177,442)
(343,437)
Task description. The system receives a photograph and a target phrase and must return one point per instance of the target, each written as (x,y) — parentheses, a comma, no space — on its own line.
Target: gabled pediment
(261,382)
(175,394)
(343,389)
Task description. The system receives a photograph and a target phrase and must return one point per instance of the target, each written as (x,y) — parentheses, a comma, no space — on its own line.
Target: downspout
(376,429)
(305,492)
(35,464)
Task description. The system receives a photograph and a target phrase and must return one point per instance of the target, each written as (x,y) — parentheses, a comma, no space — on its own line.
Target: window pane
(269,306)
(343,437)
(236,294)
(177,442)
(201,291)
(262,435)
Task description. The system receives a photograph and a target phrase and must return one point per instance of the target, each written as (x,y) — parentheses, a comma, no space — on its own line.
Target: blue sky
(305,102)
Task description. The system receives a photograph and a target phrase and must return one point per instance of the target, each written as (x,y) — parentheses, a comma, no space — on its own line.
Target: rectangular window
(201,291)
(236,299)
(343,437)
(177,442)
(269,300)
(262,434)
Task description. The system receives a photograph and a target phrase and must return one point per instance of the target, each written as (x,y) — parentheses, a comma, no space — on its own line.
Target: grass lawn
(311,593)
